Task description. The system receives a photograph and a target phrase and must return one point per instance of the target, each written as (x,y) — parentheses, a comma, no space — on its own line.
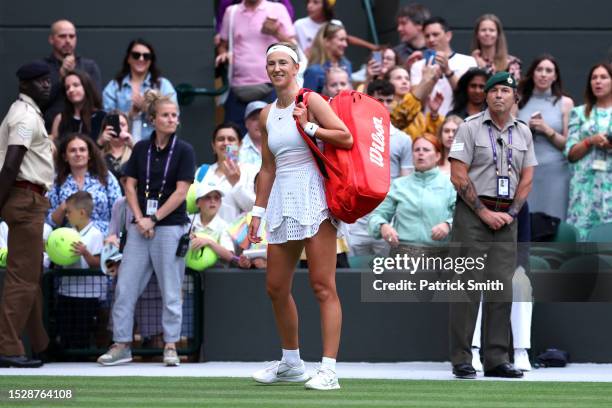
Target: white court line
(404,371)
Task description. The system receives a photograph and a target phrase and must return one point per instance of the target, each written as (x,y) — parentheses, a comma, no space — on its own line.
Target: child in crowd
(208,200)
(336,80)
(79,296)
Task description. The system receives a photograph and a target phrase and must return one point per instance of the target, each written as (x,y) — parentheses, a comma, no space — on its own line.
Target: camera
(183,246)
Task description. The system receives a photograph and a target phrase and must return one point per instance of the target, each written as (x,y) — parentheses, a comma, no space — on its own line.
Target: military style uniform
(24,212)
(495,158)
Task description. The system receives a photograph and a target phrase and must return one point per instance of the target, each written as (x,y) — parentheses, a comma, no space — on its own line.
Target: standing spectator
(327,51)
(83,109)
(587,148)
(453,65)
(26,171)
(469,96)
(159,174)
(117,148)
(410,19)
(446,135)
(138,74)
(80,167)
(319,12)
(63,59)
(416,216)
(547,112)
(493,182)
(489,46)
(400,151)
(250,149)
(252,26)
(236,180)
(378,66)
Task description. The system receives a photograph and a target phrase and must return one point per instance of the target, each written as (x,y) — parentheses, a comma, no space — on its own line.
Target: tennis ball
(202,258)
(59,246)
(3,257)
(192,208)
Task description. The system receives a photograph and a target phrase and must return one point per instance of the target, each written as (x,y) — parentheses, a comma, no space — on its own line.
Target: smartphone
(429,55)
(536,115)
(231,152)
(113,120)
(377,56)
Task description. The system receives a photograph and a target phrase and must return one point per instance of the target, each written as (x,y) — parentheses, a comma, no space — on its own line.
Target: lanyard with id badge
(153,204)
(503,182)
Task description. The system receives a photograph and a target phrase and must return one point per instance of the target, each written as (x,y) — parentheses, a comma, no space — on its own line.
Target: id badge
(599,165)
(151,207)
(503,186)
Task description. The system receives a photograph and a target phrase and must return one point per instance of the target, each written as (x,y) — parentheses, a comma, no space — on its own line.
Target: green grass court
(154,392)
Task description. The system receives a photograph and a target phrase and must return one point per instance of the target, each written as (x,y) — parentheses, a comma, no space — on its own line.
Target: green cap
(502,78)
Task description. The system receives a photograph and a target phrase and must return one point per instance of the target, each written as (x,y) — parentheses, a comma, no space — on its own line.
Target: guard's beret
(32,70)
(500,78)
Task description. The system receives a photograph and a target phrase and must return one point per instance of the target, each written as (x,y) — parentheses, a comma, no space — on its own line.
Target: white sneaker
(116,354)
(476,363)
(280,371)
(325,379)
(171,358)
(521,359)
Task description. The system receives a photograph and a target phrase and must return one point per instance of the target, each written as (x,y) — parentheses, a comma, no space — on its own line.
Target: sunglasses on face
(145,55)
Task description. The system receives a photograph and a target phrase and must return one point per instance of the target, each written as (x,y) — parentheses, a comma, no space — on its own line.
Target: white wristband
(258,211)
(311,129)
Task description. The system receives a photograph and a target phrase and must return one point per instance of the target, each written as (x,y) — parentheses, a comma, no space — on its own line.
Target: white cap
(204,188)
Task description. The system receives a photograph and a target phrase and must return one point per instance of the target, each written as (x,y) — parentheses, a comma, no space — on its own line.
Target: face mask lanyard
(148,175)
(495,150)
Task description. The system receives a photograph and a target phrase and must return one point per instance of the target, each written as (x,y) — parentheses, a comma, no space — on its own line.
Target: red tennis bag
(356,179)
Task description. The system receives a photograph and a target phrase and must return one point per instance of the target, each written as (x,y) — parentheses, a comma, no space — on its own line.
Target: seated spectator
(117,148)
(250,149)
(469,96)
(207,221)
(253,25)
(327,51)
(82,110)
(546,110)
(400,150)
(336,80)
(379,63)
(234,179)
(446,136)
(80,167)
(410,19)
(489,46)
(588,145)
(139,73)
(416,216)
(63,59)
(453,65)
(79,296)
(407,113)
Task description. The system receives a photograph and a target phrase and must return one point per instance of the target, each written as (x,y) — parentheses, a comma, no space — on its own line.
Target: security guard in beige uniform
(492,161)
(26,173)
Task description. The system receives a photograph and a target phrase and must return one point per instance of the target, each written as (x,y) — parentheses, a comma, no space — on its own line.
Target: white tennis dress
(297,204)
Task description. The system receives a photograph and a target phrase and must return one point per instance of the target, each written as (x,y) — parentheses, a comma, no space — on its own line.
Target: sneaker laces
(326,374)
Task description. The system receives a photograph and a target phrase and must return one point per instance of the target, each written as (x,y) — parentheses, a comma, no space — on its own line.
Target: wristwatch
(450,75)
(153,218)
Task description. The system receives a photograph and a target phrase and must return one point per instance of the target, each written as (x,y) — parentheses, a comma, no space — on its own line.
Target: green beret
(502,78)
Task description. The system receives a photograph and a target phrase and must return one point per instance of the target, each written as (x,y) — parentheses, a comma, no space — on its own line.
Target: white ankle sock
(291,357)
(329,363)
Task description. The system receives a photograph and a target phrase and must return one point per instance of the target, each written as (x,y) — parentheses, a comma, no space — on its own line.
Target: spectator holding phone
(234,179)
(116,141)
(379,63)
(588,150)
(545,108)
(83,108)
(138,74)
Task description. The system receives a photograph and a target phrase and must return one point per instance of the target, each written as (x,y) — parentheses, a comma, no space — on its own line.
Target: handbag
(543,227)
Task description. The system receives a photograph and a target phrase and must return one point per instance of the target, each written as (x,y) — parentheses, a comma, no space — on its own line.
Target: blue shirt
(314,76)
(103,198)
(119,97)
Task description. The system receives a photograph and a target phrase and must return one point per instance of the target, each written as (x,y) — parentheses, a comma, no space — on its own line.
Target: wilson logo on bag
(357,179)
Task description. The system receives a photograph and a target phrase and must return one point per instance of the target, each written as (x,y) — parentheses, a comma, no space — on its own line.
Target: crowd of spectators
(427,85)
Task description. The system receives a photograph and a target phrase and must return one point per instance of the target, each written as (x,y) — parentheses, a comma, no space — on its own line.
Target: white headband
(285,49)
